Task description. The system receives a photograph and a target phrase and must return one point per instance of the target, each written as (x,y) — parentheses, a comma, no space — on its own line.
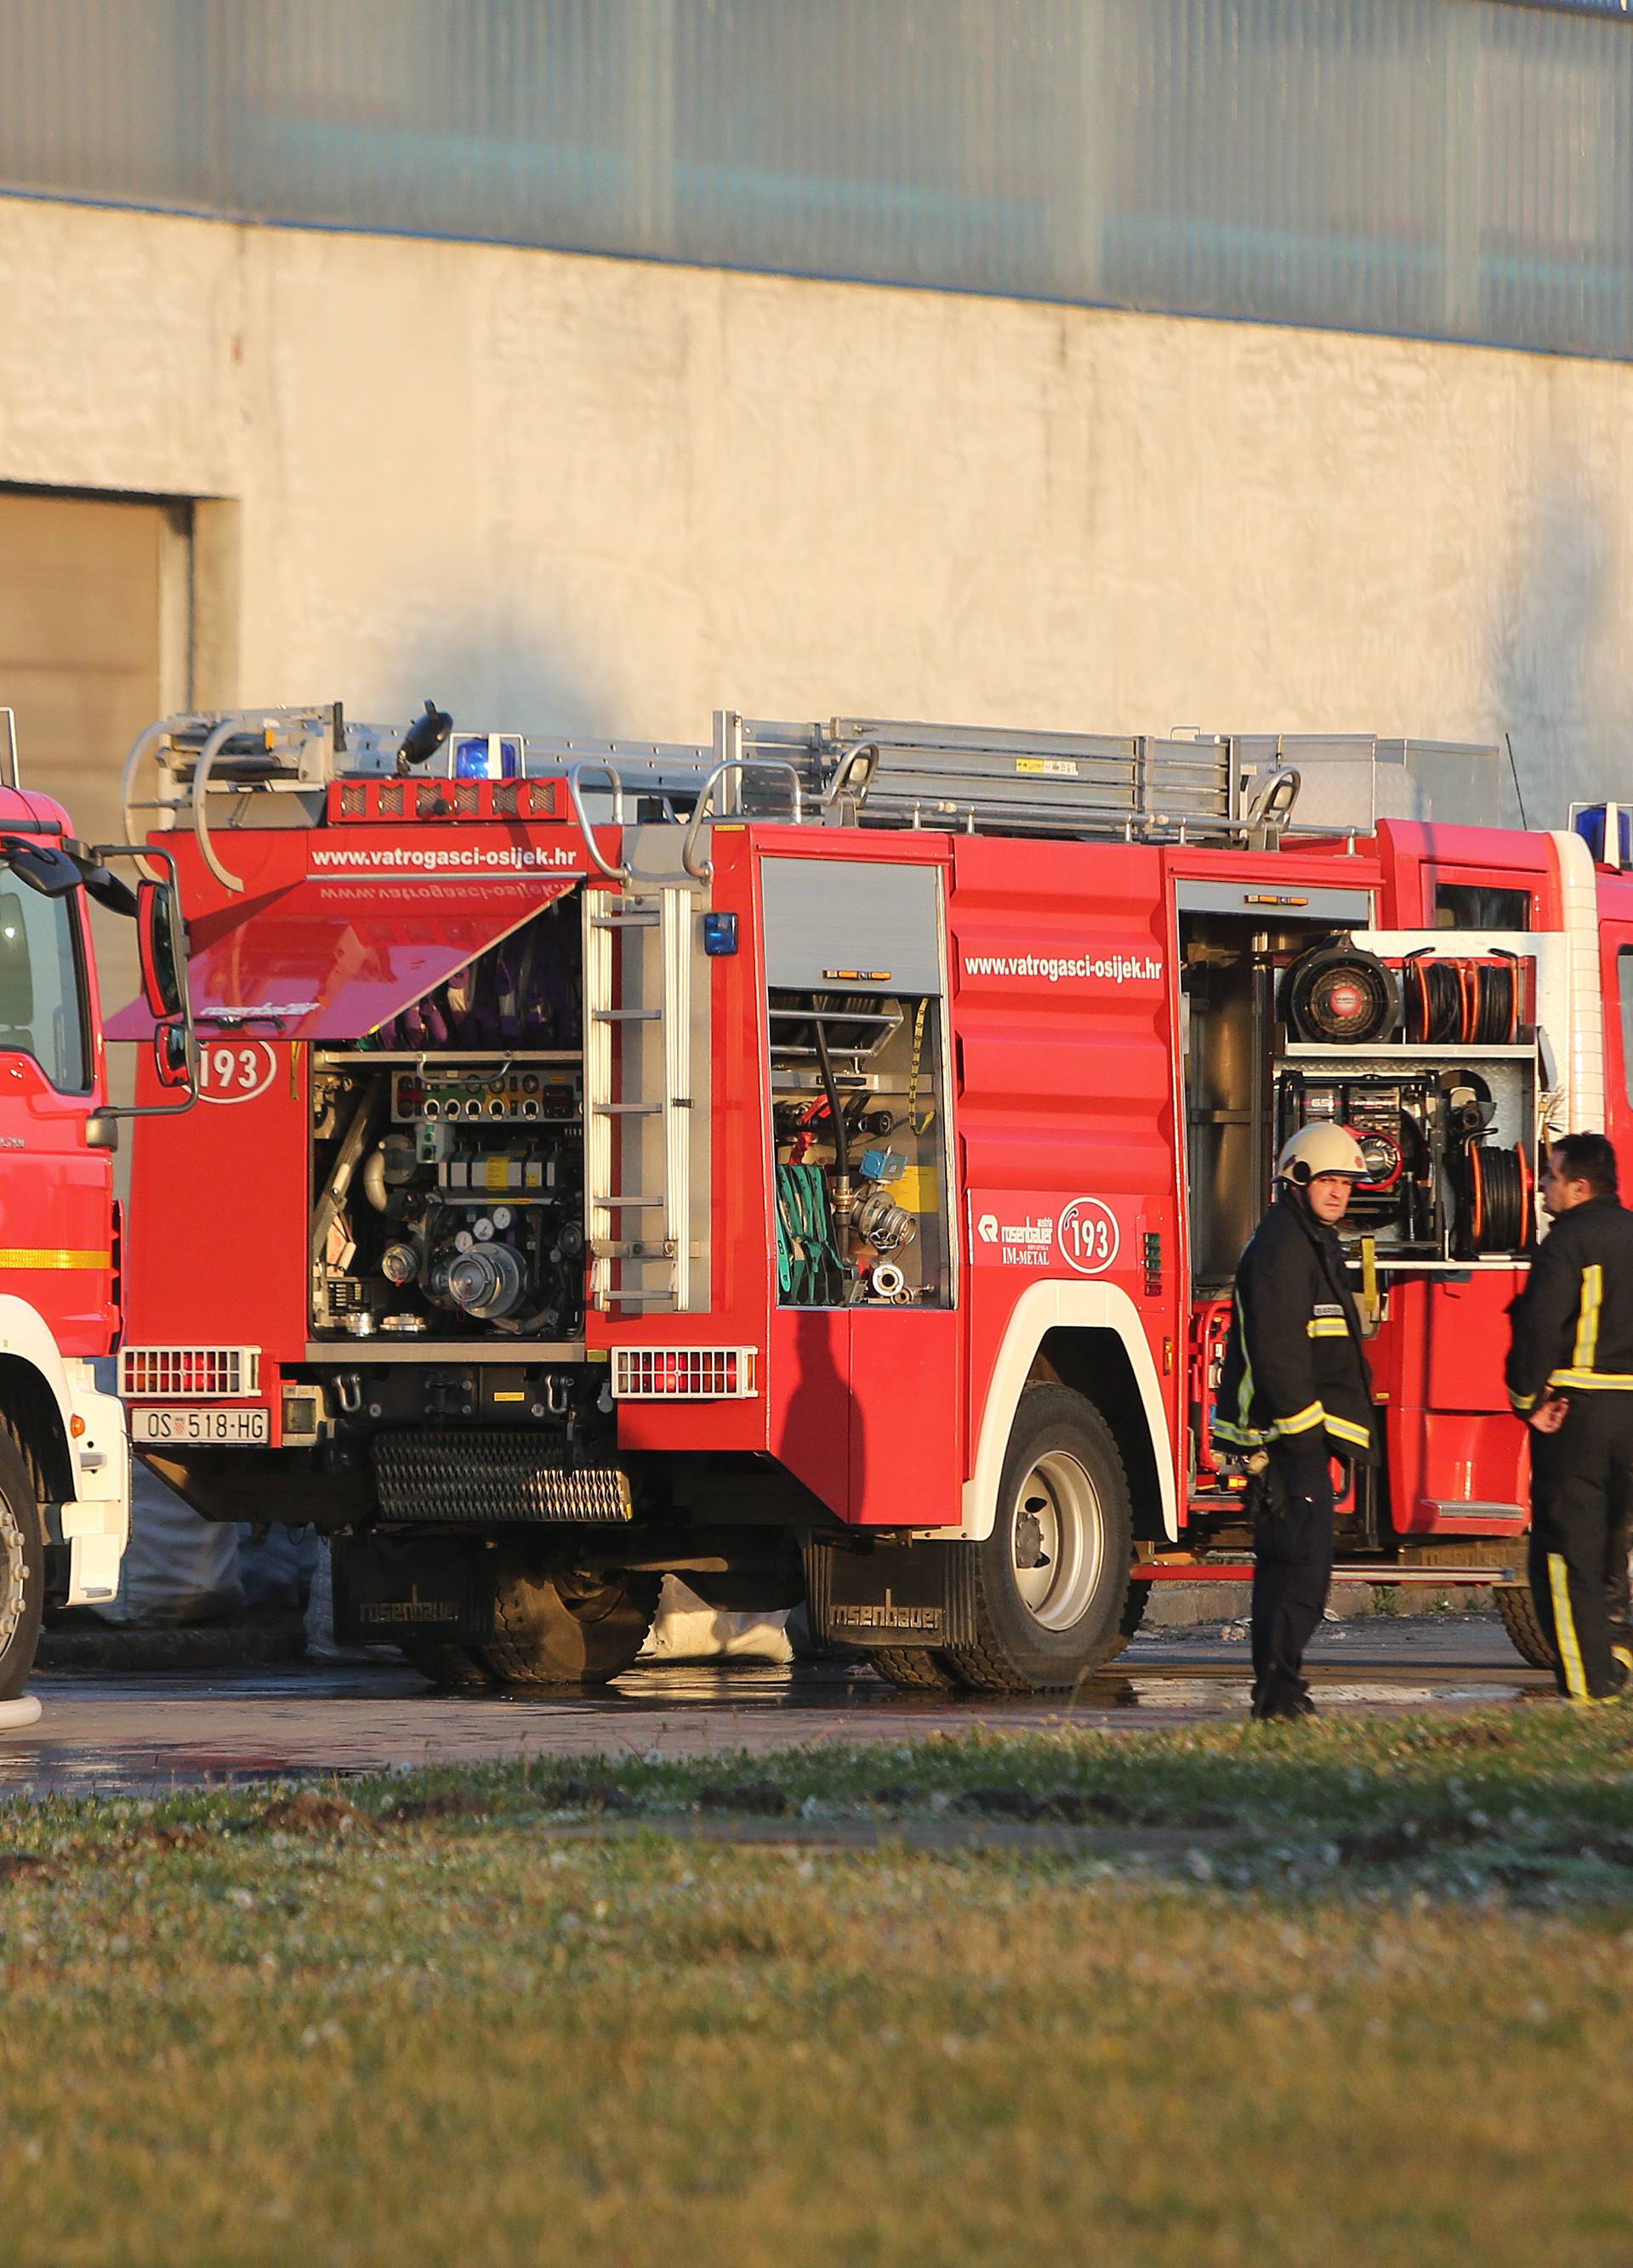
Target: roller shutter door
(94,606)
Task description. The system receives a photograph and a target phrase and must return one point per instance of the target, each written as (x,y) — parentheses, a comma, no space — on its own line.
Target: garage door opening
(96,640)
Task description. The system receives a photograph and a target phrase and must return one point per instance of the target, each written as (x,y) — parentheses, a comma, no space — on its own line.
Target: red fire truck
(64,1469)
(815,1163)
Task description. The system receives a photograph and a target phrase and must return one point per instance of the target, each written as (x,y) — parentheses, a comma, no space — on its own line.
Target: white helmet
(1322,1148)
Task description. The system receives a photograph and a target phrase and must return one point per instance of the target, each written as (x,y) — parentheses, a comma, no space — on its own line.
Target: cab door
(55,1191)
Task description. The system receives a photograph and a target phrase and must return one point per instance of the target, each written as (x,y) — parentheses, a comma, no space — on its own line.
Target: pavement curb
(184,1645)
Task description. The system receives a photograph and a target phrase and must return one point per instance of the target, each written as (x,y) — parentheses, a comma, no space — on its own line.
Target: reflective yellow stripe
(1326,1327)
(1565,1629)
(1359,1435)
(52,1256)
(1521,1404)
(1587,1317)
(1301,1421)
(1593,1381)
(1244,1391)
(1240,1434)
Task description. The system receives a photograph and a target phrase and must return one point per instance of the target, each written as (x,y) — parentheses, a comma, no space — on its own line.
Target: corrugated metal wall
(1453,168)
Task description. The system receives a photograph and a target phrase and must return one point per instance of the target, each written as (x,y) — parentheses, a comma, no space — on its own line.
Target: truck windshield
(41,997)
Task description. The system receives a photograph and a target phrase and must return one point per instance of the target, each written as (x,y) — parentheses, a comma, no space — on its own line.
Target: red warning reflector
(683,1374)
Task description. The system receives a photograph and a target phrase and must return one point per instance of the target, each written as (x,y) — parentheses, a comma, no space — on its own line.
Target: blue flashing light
(1607,830)
(487,755)
(720,935)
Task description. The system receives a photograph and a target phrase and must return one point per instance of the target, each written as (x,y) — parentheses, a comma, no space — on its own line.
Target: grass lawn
(1352,1994)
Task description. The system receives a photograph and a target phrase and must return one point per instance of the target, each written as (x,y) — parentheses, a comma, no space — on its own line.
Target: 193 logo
(235,1072)
(1089,1236)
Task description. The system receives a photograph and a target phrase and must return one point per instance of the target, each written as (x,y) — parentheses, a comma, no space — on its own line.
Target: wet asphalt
(109,1733)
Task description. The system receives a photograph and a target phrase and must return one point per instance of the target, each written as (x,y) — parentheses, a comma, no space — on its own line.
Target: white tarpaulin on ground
(686,1629)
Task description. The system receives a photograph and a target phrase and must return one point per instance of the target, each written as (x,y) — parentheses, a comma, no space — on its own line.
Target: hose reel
(1339,995)
(1461,1001)
(1494,1187)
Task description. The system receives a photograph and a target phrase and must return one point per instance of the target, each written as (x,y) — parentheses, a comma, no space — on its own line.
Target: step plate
(493,1478)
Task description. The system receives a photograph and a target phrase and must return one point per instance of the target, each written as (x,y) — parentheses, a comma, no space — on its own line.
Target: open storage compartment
(858,1051)
(1423,1045)
(447,1167)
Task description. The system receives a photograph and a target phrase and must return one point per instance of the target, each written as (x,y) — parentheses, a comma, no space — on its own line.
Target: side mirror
(161,941)
(174,1055)
(163,947)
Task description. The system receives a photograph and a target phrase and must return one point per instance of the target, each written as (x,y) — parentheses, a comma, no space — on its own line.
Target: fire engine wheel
(1516,1611)
(1052,1579)
(455,1668)
(22,1571)
(567,1630)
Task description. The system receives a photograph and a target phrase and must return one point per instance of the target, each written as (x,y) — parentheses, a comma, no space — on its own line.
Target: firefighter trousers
(1292,1504)
(1581,1508)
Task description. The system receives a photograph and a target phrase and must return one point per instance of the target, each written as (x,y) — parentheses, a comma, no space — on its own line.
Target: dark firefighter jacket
(1572,1325)
(1295,1362)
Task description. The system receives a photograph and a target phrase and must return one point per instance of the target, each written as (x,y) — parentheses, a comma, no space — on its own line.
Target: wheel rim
(12,1571)
(1057,1541)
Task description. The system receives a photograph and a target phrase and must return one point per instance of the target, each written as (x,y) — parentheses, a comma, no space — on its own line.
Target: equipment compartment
(862,1157)
(448,1156)
(1430,1059)
(856,1108)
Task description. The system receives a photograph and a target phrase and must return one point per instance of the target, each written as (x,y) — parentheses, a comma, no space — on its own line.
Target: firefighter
(1569,1375)
(1296,1391)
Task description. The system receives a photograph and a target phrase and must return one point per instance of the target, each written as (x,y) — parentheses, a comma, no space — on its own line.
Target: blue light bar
(487,755)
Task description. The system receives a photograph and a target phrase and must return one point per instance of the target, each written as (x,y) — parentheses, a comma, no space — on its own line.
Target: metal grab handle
(575,773)
(207,755)
(703,871)
(1271,803)
(853,774)
(145,741)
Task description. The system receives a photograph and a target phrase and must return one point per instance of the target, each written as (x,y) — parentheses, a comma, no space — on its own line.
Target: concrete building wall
(590,495)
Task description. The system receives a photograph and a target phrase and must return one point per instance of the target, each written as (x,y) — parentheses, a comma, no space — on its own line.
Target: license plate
(232,1426)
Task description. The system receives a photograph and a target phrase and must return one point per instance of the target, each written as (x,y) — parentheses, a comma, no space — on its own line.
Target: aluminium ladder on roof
(862,771)
(982,780)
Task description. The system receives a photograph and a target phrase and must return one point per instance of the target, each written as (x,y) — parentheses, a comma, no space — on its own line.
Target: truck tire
(455,1668)
(567,1630)
(916,1669)
(22,1569)
(1516,1611)
(1052,1579)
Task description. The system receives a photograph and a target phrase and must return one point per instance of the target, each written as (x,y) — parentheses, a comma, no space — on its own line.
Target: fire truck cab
(64,1468)
(814,1163)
